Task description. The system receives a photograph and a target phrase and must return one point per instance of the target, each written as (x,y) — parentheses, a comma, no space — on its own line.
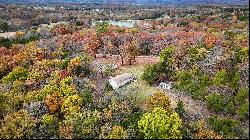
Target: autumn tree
(131,50)
(159,99)
(92,44)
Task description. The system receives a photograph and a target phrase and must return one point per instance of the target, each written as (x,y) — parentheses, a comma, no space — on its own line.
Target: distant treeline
(6,42)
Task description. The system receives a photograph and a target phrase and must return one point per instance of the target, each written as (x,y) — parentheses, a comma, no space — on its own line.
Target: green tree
(220,103)
(242,96)
(166,53)
(18,73)
(159,125)
(102,28)
(215,102)
(5,42)
(221,77)
(4,26)
(243,110)
(72,104)
(152,73)
(224,126)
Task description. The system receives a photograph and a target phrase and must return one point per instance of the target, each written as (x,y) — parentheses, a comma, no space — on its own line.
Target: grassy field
(139,89)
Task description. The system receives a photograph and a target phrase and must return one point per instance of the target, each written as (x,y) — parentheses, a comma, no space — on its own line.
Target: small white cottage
(121,80)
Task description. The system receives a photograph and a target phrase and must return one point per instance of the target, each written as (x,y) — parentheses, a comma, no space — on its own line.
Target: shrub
(162,69)
(180,108)
(117,133)
(16,125)
(215,102)
(220,103)
(243,110)
(221,77)
(235,81)
(194,82)
(150,74)
(196,53)
(224,126)
(87,98)
(204,133)
(18,73)
(165,54)
(159,99)
(242,96)
(30,97)
(5,42)
(158,125)
(109,70)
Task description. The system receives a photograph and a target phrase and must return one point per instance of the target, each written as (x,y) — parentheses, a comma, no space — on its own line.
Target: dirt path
(195,109)
(115,59)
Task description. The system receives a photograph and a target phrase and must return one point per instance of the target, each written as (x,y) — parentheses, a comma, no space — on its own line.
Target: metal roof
(122,77)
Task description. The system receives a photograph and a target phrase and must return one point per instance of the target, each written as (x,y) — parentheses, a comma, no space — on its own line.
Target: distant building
(2,7)
(147,26)
(121,80)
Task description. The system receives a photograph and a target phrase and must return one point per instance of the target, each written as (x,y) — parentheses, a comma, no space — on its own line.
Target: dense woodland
(48,86)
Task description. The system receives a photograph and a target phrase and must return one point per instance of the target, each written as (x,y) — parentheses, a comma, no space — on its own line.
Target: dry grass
(139,87)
